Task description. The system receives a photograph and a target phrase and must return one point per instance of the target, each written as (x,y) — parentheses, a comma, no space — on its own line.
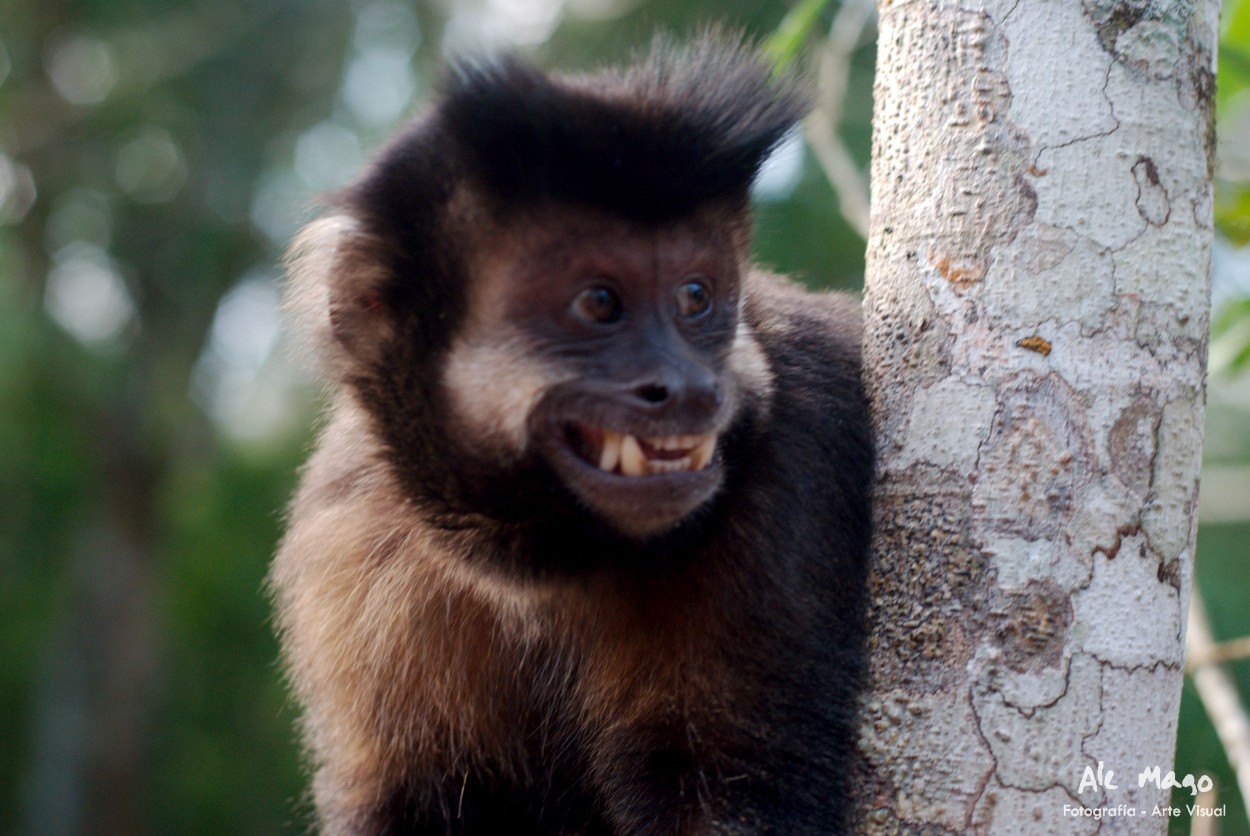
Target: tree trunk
(1036,329)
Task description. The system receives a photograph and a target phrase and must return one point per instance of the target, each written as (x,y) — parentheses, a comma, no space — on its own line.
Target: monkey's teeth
(633,462)
(629,455)
(610,455)
(702,455)
(670,465)
(673,442)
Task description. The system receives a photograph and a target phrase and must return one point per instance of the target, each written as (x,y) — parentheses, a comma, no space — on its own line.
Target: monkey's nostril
(653,393)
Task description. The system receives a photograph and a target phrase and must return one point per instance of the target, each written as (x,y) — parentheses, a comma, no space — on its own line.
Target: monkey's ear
(334,294)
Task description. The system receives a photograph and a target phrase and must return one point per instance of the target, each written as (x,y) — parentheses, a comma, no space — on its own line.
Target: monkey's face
(604,350)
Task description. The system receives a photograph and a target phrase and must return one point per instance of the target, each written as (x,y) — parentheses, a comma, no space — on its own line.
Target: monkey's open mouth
(630,455)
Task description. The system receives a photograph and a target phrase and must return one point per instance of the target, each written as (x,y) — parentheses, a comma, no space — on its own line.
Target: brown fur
(486,631)
(402,654)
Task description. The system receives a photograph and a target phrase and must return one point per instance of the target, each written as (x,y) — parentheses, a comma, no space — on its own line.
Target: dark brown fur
(483,644)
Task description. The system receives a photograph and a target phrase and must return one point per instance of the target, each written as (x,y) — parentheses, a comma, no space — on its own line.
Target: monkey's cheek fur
(642,486)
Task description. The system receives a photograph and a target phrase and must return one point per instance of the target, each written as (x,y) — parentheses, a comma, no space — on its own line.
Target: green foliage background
(154,156)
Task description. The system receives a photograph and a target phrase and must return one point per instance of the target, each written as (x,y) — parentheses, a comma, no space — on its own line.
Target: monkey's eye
(599,305)
(694,299)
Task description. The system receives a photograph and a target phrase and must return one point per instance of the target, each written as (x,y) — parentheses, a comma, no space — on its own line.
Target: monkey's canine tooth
(702,455)
(633,462)
(610,455)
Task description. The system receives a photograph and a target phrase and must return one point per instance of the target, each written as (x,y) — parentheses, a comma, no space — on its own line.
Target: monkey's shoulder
(817,448)
(792,321)
(812,342)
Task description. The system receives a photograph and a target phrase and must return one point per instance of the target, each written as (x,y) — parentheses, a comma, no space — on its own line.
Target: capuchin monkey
(581,549)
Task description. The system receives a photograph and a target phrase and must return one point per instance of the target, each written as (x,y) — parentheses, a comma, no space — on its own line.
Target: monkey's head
(536,290)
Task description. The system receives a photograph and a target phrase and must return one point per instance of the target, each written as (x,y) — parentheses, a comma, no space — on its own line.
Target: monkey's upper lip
(625,454)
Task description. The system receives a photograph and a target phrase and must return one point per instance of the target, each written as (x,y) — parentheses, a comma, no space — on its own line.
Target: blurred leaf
(1236,14)
(1232,212)
(784,45)
(1234,70)
(1230,337)
(1228,318)
(1232,207)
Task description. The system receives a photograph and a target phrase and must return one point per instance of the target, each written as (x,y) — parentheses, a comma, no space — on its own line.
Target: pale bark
(1036,318)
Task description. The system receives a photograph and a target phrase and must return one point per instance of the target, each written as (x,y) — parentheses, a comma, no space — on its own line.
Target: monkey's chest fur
(444,699)
(552,716)
(711,694)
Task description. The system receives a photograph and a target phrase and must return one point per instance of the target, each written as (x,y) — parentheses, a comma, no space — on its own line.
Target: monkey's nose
(698,394)
(656,393)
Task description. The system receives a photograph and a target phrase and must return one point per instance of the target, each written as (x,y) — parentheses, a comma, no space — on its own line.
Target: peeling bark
(1036,327)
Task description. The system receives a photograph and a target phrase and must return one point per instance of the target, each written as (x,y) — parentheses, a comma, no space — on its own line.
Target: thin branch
(821,127)
(1219,695)
(1220,653)
(1205,825)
